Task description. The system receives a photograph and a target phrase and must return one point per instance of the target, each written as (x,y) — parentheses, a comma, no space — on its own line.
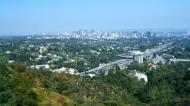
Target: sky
(52,16)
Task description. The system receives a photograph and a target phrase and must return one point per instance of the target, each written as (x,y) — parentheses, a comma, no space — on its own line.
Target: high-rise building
(138,56)
(148,34)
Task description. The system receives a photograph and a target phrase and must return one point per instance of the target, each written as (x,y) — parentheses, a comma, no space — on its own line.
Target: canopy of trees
(167,85)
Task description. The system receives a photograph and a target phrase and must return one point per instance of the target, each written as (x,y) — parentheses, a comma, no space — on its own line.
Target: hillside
(26,87)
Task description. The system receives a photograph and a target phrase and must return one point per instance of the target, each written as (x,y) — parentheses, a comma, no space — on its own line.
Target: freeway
(180,60)
(122,63)
(149,52)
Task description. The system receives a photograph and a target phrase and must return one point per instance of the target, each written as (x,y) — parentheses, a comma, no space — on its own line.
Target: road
(149,52)
(124,63)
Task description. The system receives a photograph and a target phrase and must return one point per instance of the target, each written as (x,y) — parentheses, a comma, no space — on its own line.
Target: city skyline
(46,16)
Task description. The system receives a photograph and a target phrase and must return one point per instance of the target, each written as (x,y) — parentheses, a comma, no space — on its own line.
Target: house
(151,66)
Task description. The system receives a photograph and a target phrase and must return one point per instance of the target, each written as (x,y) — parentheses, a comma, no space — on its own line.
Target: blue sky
(44,16)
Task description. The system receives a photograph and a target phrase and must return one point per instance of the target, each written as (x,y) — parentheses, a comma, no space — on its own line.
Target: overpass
(122,63)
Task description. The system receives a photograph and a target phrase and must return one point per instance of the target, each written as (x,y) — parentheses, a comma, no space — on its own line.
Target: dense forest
(167,85)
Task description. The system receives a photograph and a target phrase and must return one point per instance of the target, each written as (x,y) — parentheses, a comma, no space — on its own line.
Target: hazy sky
(38,16)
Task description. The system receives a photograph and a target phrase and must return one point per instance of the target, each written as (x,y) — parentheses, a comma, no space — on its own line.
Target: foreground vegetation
(167,85)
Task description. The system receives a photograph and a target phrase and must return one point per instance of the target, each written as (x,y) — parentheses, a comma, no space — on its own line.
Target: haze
(50,16)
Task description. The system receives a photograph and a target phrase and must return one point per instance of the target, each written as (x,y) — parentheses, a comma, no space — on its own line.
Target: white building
(66,70)
(44,66)
(139,76)
(138,56)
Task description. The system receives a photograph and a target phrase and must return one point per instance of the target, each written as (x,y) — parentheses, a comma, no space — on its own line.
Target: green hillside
(20,86)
